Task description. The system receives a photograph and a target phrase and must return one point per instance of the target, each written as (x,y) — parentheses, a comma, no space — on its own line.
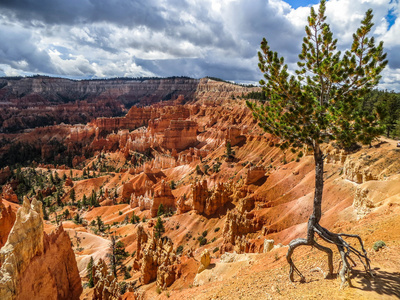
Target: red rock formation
(7,219)
(199,195)
(180,134)
(77,160)
(234,135)
(59,276)
(162,195)
(254,174)
(69,182)
(237,226)
(105,285)
(107,202)
(182,206)
(29,252)
(155,259)
(208,202)
(205,260)
(5,173)
(8,194)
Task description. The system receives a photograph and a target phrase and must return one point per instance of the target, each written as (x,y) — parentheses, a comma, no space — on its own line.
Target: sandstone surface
(29,251)
(7,219)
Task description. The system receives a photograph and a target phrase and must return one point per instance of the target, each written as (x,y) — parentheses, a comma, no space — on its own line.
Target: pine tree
(84,201)
(319,105)
(93,199)
(45,215)
(117,255)
(134,219)
(160,210)
(66,214)
(52,178)
(58,199)
(388,109)
(228,149)
(89,272)
(56,178)
(100,223)
(72,196)
(159,228)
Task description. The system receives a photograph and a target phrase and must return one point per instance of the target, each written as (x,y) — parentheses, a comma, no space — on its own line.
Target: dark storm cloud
(394,57)
(197,68)
(70,12)
(18,49)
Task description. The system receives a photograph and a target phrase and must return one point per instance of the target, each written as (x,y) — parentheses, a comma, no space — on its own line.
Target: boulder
(205,260)
(268,245)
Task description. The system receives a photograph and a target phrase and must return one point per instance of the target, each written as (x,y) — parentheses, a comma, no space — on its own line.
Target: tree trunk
(313,227)
(319,187)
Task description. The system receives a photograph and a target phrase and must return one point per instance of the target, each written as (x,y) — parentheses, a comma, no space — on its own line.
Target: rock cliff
(29,251)
(41,100)
(7,219)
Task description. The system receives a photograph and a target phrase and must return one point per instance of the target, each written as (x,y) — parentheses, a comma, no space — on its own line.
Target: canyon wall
(39,101)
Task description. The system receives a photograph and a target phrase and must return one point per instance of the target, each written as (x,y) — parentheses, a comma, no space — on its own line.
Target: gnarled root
(345,250)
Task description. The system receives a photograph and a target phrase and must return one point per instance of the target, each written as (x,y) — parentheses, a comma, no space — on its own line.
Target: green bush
(378,245)
(127,275)
(122,287)
(202,240)
(215,249)
(179,250)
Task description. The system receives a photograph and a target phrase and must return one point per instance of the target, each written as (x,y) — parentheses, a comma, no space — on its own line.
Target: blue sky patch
(391,17)
(298,3)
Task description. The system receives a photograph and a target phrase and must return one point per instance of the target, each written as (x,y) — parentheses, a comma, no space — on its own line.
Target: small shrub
(378,245)
(204,233)
(127,275)
(122,287)
(215,249)
(202,240)
(216,229)
(179,250)
(120,213)
(158,290)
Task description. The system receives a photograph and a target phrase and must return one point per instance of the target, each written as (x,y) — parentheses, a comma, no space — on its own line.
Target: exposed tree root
(345,250)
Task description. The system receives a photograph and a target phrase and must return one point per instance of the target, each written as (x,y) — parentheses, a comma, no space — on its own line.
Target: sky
(130,38)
